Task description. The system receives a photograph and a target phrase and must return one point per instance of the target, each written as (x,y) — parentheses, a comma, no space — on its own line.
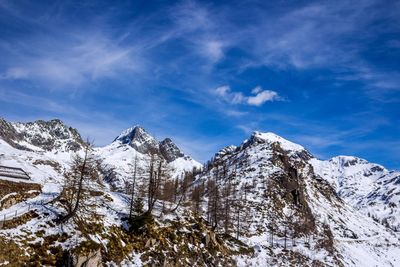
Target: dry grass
(22,191)
(20,220)
(11,254)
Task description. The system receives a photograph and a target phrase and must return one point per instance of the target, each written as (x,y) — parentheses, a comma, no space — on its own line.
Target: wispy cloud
(200,27)
(14,74)
(163,64)
(258,97)
(71,62)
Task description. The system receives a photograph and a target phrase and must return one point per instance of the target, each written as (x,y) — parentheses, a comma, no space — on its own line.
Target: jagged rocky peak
(139,139)
(143,142)
(7,132)
(272,140)
(169,150)
(225,151)
(259,137)
(45,135)
(350,161)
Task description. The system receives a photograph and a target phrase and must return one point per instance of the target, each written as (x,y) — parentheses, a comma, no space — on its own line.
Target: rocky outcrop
(143,142)
(169,150)
(12,193)
(75,259)
(91,259)
(10,135)
(225,151)
(139,139)
(45,135)
(272,180)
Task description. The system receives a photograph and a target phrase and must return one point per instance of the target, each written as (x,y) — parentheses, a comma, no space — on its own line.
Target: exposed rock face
(169,150)
(225,151)
(88,259)
(139,139)
(9,134)
(15,192)
(92,259)
(271,171)
(278,190)
(41,135)
(367,186)
(143,142)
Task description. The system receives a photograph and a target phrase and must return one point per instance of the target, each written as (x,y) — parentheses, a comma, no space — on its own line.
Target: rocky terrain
(264,202)
(275,190)
(41,135)
(366,186)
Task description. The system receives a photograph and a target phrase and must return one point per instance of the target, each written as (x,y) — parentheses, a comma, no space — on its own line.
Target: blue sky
(325,74)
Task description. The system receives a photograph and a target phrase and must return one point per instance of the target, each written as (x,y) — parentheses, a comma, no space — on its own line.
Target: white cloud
(258,98)
(222,90)
(238,98)
(262,97)
(256,90)
(213,50)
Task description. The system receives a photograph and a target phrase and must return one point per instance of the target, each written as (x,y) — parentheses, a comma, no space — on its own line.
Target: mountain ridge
(270,186)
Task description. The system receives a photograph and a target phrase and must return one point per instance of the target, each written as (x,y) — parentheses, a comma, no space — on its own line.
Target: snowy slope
(276,185)
(40,135)
(44,149)
(367,186)
(136,143)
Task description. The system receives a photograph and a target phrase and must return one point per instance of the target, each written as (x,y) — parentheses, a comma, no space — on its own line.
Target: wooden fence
(12,172)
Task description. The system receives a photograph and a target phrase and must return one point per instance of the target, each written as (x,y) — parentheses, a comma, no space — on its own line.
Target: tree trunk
(133,190)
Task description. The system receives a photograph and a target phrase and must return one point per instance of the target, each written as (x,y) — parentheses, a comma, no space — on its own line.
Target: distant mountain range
(350,205)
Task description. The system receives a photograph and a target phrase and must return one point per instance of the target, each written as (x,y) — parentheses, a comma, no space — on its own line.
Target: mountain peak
(270,137)
(170,150)
(41,134)
(225,151)
(352,164)
(127,135)
(138,138)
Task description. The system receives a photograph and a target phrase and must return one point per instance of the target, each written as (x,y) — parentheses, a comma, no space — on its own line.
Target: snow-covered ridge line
(40,135)
(48,145)
(271,178)
(272,137)
(367,186)
(276,185)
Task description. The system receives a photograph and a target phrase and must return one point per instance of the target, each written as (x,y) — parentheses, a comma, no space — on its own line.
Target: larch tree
(79,181)
(158,173)
(132,201)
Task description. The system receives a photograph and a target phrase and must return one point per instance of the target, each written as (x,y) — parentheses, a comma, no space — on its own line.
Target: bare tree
(158,172)
(77,183)
(153,185)
(227,202)
(196,197)
(238,205)
(133,188)
(213,201)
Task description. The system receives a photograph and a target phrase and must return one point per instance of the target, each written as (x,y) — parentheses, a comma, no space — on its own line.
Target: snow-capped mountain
(285,206)
(144,143)
(366,186)
(135,143)
(139,139)
(41,135)
(42,145)
(280,193)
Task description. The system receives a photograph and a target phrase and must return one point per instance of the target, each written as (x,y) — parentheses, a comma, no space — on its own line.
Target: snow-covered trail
(25,206)
(49,191)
